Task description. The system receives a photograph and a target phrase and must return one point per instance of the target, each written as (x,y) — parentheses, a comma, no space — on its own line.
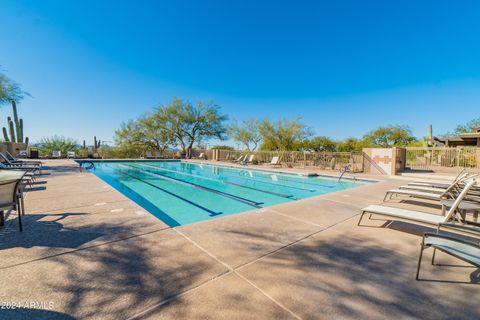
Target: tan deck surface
(91,253)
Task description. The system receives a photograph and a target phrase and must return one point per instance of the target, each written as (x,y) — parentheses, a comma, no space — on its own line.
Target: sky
(344,67)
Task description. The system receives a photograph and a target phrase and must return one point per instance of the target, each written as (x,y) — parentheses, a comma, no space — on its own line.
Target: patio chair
(248,160)
(440,184)
(149,155)
(8,162)
(241,159)
(158,155)
(419,216)
(201,156)
(430,195)
(11,199)
(71,155)
(275,161)
(56,154)
(457,247)
(13,159)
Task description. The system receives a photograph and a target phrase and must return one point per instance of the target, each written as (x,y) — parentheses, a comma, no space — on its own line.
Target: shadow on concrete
(50,233)
(355,279)
(119,281)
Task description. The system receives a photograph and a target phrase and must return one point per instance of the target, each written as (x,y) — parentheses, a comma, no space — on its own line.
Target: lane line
(220,193)
(220,181)
(172,194)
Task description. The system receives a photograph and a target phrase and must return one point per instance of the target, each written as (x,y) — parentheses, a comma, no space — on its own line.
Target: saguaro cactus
(12,130)
(15,127)
(96,144)
(5,134)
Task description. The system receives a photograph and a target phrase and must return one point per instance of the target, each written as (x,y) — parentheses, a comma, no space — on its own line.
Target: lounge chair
(431,195)
(158,155)
(240,159)
(201,156)
(440,184)
(56,154)
(11,159)
(462,249)
(275,162)
(149,155)
(419,216)
(11,198)
(70,155)
(248,160)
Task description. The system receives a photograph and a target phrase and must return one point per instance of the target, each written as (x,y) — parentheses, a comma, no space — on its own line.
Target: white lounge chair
(56,154)
(419,216)
(275,161)
(149,155)
(240,159)
(440,184)
(248,160)
(201,156)
(435,195)
(71,155)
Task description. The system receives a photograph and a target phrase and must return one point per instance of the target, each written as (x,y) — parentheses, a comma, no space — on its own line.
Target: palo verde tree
(146,133)
(320,144)
(283,135)
(248,133)
(390,136)
(190,123)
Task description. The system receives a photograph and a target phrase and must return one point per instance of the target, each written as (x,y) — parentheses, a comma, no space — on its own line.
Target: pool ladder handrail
(346,169)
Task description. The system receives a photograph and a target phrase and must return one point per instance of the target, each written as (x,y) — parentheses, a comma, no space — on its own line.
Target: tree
(189,124)
(284,135)
(57,143)
(248,133)
(10,90)
(465,128)
(351,144)
(387,137)
(146,133)
(321,144)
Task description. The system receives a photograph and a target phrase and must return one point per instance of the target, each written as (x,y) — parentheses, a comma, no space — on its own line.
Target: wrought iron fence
(436,158)
(319,160)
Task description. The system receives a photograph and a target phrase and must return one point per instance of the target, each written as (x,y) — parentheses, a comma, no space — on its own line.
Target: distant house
(470,139)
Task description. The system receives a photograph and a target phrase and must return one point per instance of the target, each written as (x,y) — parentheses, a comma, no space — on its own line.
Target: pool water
(180,193)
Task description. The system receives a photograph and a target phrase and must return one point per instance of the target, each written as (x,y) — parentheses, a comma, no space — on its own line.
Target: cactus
(18,127)
(5,134)
(14,127)
(12,130)
(26,141)
(20,131)
(96,144)
(84,146)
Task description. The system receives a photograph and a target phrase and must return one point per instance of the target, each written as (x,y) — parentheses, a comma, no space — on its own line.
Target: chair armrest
(451,238)
(472,227)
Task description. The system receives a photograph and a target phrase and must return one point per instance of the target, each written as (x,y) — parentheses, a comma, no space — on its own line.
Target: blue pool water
(179,193)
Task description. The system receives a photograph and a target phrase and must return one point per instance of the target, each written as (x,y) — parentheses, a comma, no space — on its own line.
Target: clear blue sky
(345,67)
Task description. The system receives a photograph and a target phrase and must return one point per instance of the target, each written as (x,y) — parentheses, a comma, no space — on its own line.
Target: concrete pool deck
(88,252)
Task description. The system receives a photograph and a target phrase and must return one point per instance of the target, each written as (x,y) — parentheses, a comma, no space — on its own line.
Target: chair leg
(433,256)
(360,220)
(419,262)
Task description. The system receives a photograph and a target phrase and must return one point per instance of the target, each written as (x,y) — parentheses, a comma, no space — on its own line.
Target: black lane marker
(173,194)
(226,182)
(220,193)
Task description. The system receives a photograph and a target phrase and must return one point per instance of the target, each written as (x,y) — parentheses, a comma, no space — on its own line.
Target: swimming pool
(180,193)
